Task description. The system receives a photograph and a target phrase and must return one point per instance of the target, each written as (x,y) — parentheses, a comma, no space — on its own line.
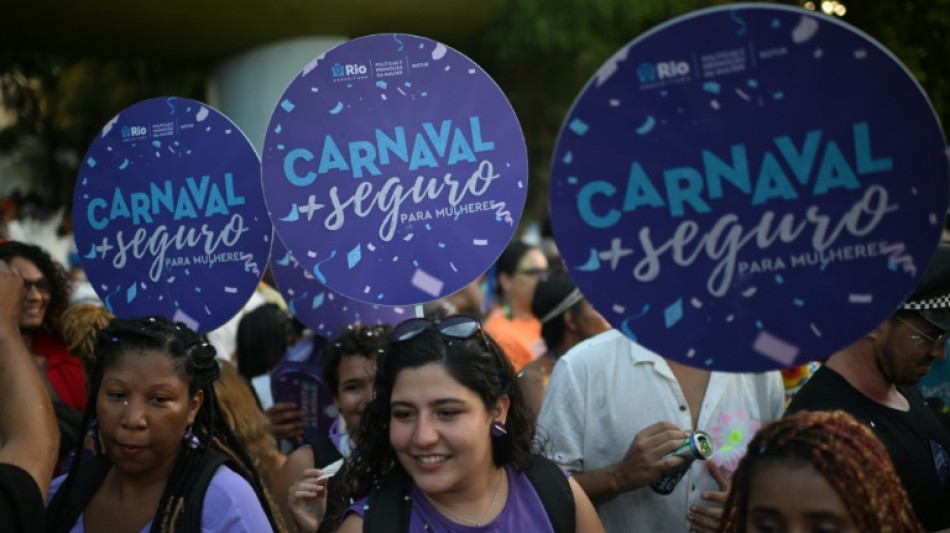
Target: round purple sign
(750,187)
(321,309)
(169,215)
(394,169)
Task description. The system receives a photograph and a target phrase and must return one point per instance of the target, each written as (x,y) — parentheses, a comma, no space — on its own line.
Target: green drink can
(699,445)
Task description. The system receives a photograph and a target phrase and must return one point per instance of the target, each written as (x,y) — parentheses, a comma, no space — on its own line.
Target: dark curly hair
(52,271)
(365,340)
(193,358)
(480,367)
(844,452)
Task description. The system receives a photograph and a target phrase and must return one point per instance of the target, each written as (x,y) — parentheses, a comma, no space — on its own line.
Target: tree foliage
(541,53)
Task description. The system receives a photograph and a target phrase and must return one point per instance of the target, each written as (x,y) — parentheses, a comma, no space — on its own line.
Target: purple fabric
(523,511)
(230,506)
(335,434)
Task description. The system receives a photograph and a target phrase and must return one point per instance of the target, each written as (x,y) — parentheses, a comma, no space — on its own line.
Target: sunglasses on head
(453,327)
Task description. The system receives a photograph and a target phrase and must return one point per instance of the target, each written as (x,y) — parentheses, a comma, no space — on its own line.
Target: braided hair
(845,453)
(194,360)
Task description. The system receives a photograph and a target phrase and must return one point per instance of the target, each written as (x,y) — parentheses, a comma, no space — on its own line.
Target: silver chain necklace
(477,523)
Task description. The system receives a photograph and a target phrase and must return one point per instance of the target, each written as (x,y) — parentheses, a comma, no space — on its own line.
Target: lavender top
(230,506)
(523,511)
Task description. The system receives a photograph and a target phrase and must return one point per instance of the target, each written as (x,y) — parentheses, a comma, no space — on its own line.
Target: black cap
(931,297)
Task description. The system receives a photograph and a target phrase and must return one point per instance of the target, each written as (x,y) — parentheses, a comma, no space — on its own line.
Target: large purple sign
(749,187)
(321,309)
(394,169)
(169,215)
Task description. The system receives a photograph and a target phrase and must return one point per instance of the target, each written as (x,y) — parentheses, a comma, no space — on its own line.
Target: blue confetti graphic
(673,313)
(318,300)
(741,31)
(354,256)
(287,105)
(578,126)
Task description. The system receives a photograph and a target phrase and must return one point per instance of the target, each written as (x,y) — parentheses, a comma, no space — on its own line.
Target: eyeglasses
(922,337)
(41,285)
(534,271)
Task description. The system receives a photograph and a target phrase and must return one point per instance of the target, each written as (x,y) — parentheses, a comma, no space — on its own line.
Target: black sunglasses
(453,327)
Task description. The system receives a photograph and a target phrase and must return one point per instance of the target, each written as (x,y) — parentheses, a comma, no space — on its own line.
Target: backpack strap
(547,478)
(324,451)
(390,507)
(66,508)
(194,501)
(555,493)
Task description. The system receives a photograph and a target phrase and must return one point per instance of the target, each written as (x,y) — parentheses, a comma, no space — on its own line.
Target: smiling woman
(448,442)
(165,459)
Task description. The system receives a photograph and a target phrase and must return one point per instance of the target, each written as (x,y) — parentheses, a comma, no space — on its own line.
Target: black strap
(390,507)
(547,478)
(324,451)
(65,509)
(555,493)
(195,500)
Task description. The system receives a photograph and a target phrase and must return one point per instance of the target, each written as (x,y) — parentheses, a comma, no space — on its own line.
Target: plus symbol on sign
(104,247)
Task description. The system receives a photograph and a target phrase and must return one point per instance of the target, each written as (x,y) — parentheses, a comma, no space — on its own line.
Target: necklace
(476,523)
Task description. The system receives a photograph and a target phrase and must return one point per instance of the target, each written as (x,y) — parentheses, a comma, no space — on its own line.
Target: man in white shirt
(613,410)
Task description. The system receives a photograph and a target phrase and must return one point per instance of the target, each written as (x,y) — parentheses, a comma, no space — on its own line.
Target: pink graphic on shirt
(732,433)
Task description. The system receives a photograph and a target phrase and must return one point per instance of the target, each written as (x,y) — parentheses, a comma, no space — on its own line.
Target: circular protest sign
(169,216)
(321,309)
(394,169)
(749,187)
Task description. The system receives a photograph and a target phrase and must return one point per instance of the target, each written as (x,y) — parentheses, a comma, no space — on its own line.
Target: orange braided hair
(845,453)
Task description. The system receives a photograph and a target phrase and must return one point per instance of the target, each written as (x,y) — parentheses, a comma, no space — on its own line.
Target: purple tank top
(522,512)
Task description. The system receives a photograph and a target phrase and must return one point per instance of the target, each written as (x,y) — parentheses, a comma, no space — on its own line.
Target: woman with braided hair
(818,472)
(165,459)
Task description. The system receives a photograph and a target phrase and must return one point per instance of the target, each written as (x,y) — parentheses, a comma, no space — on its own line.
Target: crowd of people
(513,408)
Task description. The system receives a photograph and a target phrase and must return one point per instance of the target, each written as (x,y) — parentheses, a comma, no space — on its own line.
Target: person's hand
(646,460)
(706,518)
(286,420)
(12,294)
(307,498)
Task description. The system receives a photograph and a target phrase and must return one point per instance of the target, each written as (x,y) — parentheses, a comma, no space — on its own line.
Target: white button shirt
(607,389)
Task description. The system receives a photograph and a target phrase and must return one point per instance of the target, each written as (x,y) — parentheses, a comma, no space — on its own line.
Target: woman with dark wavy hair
(47,296)
(159,436)
(449,426)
